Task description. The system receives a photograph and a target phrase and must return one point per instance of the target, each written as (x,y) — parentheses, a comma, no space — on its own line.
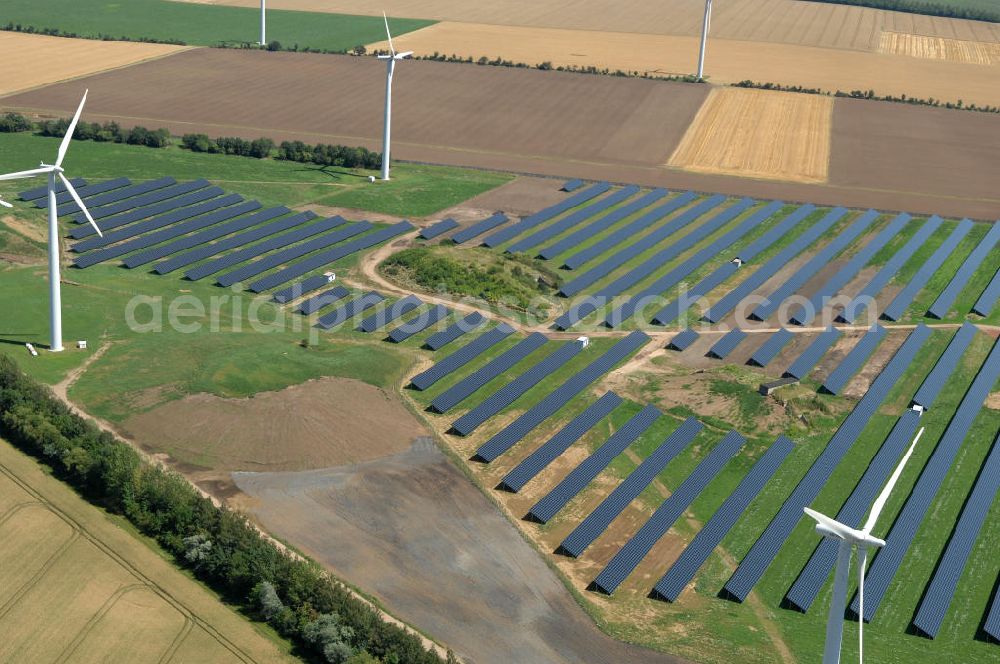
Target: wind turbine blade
(26,174)
(69,131)
(404,54)
(862,561)
(837,527)
(392,48)
(5,203)
(79,202)
(887,489)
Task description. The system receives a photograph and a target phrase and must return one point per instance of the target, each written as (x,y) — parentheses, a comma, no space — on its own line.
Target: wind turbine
(263,24)
(863,540)
(705,27)
(5,203)
(390,66)
(53,171)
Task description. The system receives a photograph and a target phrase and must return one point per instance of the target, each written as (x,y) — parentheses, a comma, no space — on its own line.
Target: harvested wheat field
(322,423)
(939,48)
(74,587)
(31,61)
(759,133)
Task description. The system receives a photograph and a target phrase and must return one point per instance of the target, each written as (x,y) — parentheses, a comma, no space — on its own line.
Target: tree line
(924,7)
(870,94)
(109,132)
(221,548)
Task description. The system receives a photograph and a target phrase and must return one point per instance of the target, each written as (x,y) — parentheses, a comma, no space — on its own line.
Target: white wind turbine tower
(54,171)
(849,538)
(263,23)
(705,27)
(390,66)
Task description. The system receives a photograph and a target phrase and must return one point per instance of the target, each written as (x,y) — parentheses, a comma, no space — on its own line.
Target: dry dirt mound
(322,423)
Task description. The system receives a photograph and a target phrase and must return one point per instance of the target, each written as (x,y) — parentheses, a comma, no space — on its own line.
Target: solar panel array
(773,265)
(638,547)
(601,224)
(455,330)
(542,216)
(672,584)
(573,219)
(559,397)
(905,296)
(727,344)
(418,324)
(810,357)
(300,288)
(465,387)
(516,388)
(897,543)
(479,228)
(589,468)
(892,266)
(764,550)
(42,192)
(988,298)
(147,202)
(817,570)
(114,196)
(969,266)
(324,258)
(324,299)
(63,196)
(992,623)
(683,339)
(440,228)
(770,348)
(629,230)
(941,590)
(934,381)
(813,266)
(383,317)
(349,310)
(176,206)
(597,521)
(538,460)
(462,356)
(852,362)
(777,232)
(806,313)
(673,311)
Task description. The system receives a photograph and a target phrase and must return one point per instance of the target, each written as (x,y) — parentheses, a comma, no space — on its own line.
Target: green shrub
(14,122)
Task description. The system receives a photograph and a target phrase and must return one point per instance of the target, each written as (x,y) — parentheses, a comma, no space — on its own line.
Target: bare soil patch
(521,196)
(36,233)
(31,61)
(326,422)
(759,133)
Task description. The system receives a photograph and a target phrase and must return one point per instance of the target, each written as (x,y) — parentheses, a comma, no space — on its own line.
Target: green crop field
(986,10)
(200,24)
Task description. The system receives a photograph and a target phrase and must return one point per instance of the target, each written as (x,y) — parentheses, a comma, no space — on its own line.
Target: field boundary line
(94,619)
(186,629)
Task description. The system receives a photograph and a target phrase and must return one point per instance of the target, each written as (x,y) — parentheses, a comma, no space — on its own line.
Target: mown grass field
(201,24)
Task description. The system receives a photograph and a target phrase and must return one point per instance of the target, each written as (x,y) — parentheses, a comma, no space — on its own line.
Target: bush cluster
(56,32)
(329,155)
(259,148)
(220,546)
(15,122)
(109,132)
(870,94)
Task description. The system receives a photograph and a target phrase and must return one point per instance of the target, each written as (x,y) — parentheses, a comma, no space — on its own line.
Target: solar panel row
(777,232)
(992,623)
(897,543)
(969,266)
(817,570)
(278,258)
(84,192)
(347,311)
(597,521)
(235,242)
(680,305)
(806,313)
(573,219)
(40,192)
(928,392)
(683,339)
(538,460)
(300,288)
(672,584)
(516,388)
(418,324)
(117,195)
(440,228)
(638,547)
(465,387)
(144,205)
(383,317)
(860,303)
(572,185)
(770,348)
(601,224)
(163,234)
(941,590)
(479,228)
(329,256)
(852,362)
(173,206)
(455,330)
(771,267)
(905,296)
(810,357)
(542,216)
(589,468)
(547,407)
(630,230)
(727,344)
(272,242)
(813,266)
(764,550)
(989,296)
(463,356)
(326,298)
